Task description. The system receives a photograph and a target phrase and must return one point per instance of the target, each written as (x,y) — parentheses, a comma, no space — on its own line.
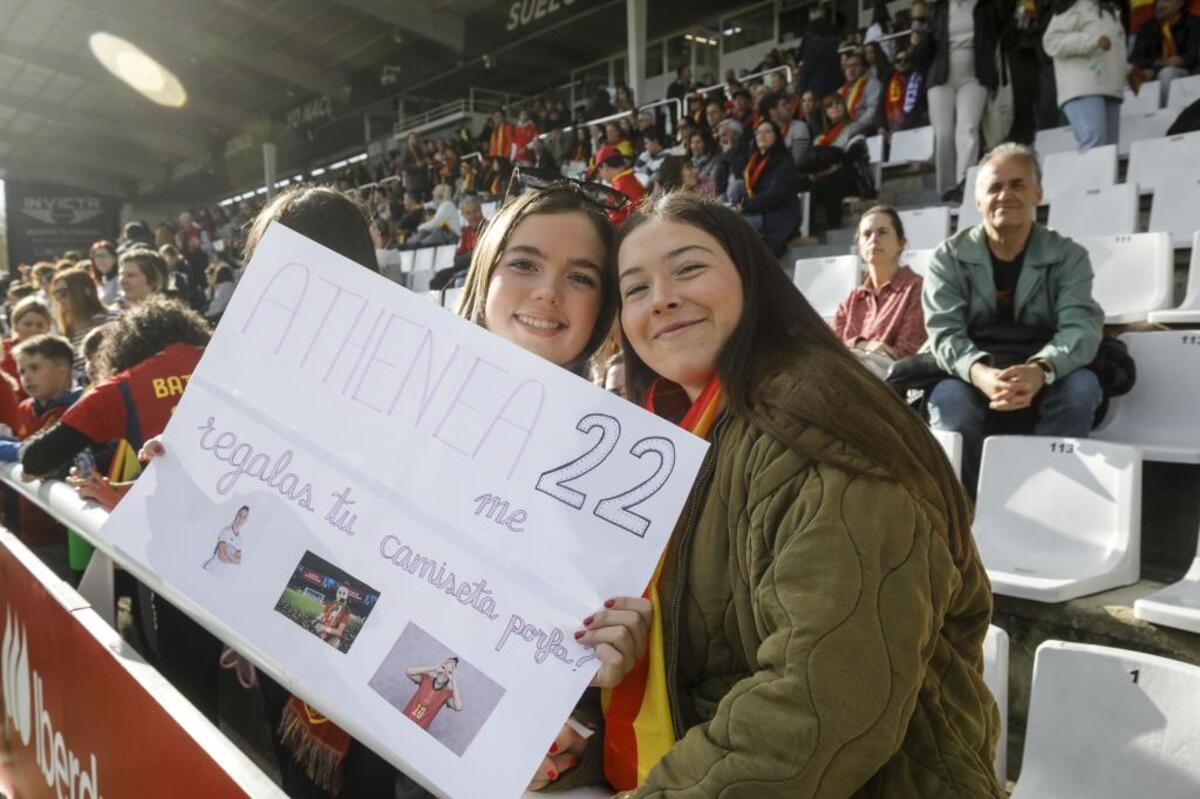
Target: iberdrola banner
(401,516)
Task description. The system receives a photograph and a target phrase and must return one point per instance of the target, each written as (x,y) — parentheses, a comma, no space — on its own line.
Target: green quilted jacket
(821,641)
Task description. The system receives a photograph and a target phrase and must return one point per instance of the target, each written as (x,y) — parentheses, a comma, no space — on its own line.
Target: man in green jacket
(1011,279)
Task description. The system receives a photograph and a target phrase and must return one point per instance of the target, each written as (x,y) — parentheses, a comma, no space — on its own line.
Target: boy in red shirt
(617,172)
(44,363)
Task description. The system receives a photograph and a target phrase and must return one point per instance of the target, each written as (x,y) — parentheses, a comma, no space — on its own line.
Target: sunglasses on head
(529,178)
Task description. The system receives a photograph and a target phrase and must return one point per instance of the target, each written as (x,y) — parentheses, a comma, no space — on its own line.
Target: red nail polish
(608,603)
(588,621)
(552,774)
(554,747)
(579,634)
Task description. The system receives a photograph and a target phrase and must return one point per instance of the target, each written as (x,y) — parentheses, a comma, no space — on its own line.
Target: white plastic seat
(995,675)
(1133,275)
(1189,312)
(1054,140)
(1183,92)
(1139,127)
(926,228)
(1160,414)
(1148,99)
(1177,605)
(1107,722)
(423,259)
(1152,162)
(1058,518)
(1095,212)
(908,146)
(1079,171)
(389,264)
(450,298)
(407,258)
(1176,209)
(488,209)
(443,256)
(917,260)
(952,444)
(418,281)
(825,282)
(875,148)
(968,214)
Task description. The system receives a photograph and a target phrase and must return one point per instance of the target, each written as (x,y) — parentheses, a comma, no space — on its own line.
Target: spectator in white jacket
(1087,42)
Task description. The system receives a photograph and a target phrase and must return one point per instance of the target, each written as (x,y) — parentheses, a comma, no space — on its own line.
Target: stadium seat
(1054,140)
(968,214)
(1159,414)
(443,256)
(825,282)
(875,148)
(1139,127)
(489,209)
(389,265)
(1154,161)
(450,299)
(407,259)
(1183,92)
(1176,209)
(1058,518)
(909,146)
(1078,171)
(1177,605)
(926,228)
(952,444)
(1189,312)
(1148,99)
(418,281)
(1095,212)
(995,675)
(1107,722)
(917,260)
(1133,274)
(423,259)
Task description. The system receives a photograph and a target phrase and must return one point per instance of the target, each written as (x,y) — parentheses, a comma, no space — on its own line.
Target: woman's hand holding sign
(619,634)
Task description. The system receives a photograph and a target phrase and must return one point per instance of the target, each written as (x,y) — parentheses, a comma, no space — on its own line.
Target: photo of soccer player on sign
(327,601)
(436,689)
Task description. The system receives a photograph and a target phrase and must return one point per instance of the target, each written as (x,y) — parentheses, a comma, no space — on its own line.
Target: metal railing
(853,47)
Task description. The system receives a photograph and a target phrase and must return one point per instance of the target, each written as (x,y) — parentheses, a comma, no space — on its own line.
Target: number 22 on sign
(617,509)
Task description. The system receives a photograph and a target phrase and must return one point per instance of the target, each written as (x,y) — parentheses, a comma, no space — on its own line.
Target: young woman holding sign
(538,279)
(822,601)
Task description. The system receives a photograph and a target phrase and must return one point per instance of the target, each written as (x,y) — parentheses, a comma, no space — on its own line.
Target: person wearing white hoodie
(1087,42)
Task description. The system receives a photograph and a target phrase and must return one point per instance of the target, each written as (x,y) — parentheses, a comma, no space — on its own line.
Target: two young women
(823,601)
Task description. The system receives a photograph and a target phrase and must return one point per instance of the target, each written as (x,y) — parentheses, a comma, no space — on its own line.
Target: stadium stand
(1094,212)
(1188,312)
(824,282)
(1133,273)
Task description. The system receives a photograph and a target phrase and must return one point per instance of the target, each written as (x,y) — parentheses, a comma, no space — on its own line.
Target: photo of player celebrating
(421,693)
(436,687)
(326,601)
(227,552)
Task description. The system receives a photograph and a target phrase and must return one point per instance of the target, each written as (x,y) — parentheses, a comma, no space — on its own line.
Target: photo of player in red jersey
(326,601)
(450,698)
(435,688)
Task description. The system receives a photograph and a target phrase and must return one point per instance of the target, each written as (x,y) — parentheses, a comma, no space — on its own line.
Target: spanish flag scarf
(638,729)
(1169,49)
(501,141)
(317,744)
(827,138)
(894,104)
(754,169)
(852,94)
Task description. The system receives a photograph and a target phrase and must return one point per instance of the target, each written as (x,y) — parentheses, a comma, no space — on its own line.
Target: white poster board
(463,497)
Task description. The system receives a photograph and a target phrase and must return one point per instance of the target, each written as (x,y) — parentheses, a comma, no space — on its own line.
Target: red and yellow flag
(637,717)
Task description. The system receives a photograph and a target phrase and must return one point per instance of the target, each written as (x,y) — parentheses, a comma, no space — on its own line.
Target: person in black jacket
(820,67)
(959,55)
(769,179)
(1154,56)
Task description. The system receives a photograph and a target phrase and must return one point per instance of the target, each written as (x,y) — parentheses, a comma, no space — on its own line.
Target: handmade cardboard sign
(401,516)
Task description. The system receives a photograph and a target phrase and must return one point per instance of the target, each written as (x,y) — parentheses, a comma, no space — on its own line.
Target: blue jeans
(1095,120)
(1065,409)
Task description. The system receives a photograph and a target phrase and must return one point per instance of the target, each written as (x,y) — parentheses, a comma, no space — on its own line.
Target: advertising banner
(45,220)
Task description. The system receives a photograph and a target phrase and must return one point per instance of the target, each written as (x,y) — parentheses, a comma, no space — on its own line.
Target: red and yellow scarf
(754,169)
(1169,50)
(500,144)
(637,717)
(894,103)
(830,136)
(852,94)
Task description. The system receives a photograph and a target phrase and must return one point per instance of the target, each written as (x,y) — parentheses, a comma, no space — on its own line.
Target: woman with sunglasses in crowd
(822,601)
(538,279)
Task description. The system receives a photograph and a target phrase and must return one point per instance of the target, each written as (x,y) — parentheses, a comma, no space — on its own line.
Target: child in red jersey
(44,363)
(436,687)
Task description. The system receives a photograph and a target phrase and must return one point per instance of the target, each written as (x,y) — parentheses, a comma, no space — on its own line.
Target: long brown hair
(82,303)
(494,238)
(784,370)
(325,215)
